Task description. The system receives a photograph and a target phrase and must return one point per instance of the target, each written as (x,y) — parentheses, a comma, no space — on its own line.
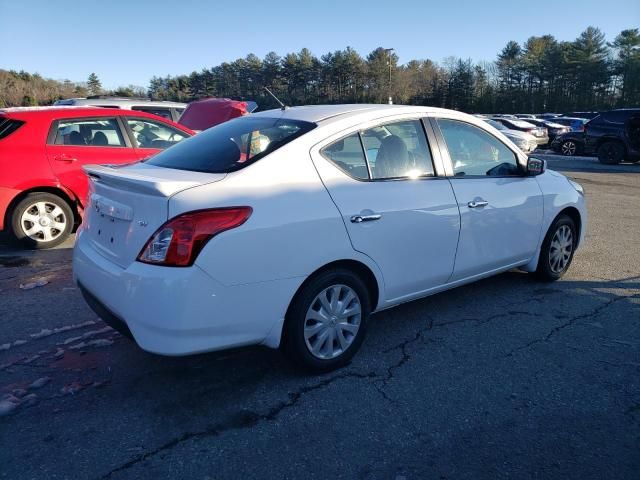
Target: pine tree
(94,85)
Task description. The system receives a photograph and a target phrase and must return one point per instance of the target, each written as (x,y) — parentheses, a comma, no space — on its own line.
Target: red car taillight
(178,242)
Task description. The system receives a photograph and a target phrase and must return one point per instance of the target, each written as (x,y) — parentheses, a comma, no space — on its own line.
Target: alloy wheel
(332,321)
(568,148)
(561,249)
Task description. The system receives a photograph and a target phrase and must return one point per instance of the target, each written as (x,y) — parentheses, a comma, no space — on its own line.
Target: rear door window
(347,154)
(231,145)
(96,132)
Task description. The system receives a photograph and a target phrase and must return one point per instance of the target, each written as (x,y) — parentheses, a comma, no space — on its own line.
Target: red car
(208,112)
(42,150)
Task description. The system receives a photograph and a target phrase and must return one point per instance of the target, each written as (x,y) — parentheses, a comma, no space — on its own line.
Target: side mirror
(536,166)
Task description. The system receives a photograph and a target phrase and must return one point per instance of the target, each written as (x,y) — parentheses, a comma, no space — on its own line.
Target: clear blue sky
(129,41)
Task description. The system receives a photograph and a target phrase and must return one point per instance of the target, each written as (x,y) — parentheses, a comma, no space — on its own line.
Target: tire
(308,318)
(557,249)
(611,153)
(41,220)
(569,148)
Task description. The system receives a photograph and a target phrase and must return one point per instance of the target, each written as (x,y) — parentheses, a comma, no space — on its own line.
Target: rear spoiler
(145,182)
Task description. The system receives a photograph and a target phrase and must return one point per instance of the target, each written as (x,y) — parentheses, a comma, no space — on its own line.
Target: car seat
(393,158)
(99,139)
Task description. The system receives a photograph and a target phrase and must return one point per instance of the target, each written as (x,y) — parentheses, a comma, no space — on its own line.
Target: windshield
(231,145)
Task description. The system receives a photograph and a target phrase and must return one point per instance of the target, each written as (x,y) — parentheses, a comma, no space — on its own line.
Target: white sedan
(290,227)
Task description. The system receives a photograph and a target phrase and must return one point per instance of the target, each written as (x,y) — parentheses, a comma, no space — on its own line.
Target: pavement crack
(240,421)
(570,322)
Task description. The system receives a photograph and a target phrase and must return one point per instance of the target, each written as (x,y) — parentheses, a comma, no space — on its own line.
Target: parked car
(42,152)
(208,112)
(162,108)
(290,227)
(524,141)
(574,123)
(553,129)
(525,116)
(547,116)
(587,115)
(569,144)
(614,136)
(541,135)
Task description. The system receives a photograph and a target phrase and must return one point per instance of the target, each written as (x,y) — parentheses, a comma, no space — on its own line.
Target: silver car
(165,109)
(524,141)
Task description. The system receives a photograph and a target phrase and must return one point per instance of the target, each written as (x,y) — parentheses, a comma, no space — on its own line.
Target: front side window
(97,132)
(475,152)
(232,145)
(150,134)
(391,151)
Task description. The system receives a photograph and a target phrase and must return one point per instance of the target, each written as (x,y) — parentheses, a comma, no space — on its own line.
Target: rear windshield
(231,145)
(8,126)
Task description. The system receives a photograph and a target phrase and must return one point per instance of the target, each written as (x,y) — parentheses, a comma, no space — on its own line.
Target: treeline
(30,89)
(543,74)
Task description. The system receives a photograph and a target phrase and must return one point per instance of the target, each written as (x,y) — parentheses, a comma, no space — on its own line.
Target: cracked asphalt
(505,378)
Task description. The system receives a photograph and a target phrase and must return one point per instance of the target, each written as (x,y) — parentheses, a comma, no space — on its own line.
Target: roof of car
(120,102)
(324,113)
(67,111)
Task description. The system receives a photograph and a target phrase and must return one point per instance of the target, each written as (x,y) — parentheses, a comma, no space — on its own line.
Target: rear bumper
(179,311)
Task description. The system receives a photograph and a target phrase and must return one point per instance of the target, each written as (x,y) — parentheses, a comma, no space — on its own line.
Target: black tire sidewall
(16,214)
(293,335)
(619,157)
(544,271)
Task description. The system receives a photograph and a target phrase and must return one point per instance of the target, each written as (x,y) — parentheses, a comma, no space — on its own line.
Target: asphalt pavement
(504,378)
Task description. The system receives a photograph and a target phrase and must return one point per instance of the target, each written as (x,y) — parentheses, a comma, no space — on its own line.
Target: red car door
(76,142)
(152,136)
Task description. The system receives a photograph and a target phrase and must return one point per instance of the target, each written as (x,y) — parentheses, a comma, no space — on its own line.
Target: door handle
(477,204)
(365,218)
(65,158)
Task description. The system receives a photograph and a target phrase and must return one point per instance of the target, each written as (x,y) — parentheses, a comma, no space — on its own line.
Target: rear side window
(8,126)
(96,132)
(397,150)
(231,145)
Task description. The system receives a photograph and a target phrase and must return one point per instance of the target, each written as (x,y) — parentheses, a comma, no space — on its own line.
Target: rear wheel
(569,148)
(41,220)
(611,153)
(327,320)
(557,249)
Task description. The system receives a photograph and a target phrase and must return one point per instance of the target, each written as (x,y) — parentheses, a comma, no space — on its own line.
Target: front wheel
(327,320)
(611,153)
(569,148)
(41,220)
(557,249)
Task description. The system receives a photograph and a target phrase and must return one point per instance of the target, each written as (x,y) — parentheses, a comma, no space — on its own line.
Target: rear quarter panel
(23,163)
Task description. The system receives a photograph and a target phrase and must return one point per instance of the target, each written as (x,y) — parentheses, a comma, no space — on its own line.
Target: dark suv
(614,136)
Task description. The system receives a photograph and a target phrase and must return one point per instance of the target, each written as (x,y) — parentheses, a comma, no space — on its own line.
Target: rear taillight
(178,242)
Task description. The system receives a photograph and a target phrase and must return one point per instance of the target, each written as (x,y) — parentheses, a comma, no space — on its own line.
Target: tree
(627,65)
(94,85)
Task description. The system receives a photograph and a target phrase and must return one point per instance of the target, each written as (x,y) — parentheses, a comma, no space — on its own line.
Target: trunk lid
(127,204)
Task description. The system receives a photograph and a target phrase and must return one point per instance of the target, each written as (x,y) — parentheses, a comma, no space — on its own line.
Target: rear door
(150,136)
(500,207)
(396,209)
(73,143)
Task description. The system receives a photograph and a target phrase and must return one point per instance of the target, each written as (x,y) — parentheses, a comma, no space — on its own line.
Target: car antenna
(282,105)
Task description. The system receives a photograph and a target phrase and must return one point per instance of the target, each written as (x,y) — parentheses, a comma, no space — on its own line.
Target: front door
(76,142)
(500,208)
(396,210)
